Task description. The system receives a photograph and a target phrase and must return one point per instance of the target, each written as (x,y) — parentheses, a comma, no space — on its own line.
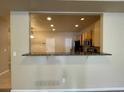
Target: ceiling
(61,22)
(62,5)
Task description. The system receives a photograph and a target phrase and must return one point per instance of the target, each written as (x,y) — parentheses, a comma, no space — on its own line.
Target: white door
(68,44)
(50,45)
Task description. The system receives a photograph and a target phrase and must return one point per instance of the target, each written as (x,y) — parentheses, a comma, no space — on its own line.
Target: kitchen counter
(67,54)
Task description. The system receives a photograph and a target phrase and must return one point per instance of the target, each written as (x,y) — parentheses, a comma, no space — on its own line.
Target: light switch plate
(14,54)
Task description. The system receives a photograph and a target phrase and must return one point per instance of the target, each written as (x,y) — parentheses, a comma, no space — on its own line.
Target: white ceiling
(61,22)
(62,5)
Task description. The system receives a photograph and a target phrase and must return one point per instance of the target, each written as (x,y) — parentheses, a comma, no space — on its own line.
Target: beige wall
(38,44)
(96,33)
(4,43)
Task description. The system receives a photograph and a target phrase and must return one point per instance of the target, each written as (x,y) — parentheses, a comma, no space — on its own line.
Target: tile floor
(5,82)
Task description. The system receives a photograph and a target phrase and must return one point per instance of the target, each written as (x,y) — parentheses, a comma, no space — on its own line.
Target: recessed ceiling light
(76,25)
(82,18)
(49,18)
(52,25)
(53,29)
(32,36)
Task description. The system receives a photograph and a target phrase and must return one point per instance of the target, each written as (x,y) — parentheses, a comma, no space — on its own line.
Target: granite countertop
(67,54)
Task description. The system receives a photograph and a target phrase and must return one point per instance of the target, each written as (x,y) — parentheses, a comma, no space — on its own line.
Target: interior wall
(4,43)
(71,72)
(19,26)
(38,44)
(113,36)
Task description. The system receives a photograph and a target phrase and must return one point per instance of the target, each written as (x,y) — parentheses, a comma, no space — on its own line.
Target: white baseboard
(72,90)
(4,72)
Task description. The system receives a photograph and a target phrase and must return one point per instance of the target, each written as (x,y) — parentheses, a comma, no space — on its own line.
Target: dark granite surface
(67,54)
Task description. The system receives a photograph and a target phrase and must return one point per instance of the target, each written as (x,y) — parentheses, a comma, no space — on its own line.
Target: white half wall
(60,72)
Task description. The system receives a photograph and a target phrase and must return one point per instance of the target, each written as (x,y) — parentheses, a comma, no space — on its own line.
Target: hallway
(5,59)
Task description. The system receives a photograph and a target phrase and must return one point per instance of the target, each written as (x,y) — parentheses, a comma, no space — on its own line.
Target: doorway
(5,59)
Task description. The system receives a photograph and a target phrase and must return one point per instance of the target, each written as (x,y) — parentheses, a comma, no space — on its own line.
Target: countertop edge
(68,54)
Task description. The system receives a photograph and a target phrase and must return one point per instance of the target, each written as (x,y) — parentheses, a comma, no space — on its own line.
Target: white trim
(67,12)
(72,90)
(4,72)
